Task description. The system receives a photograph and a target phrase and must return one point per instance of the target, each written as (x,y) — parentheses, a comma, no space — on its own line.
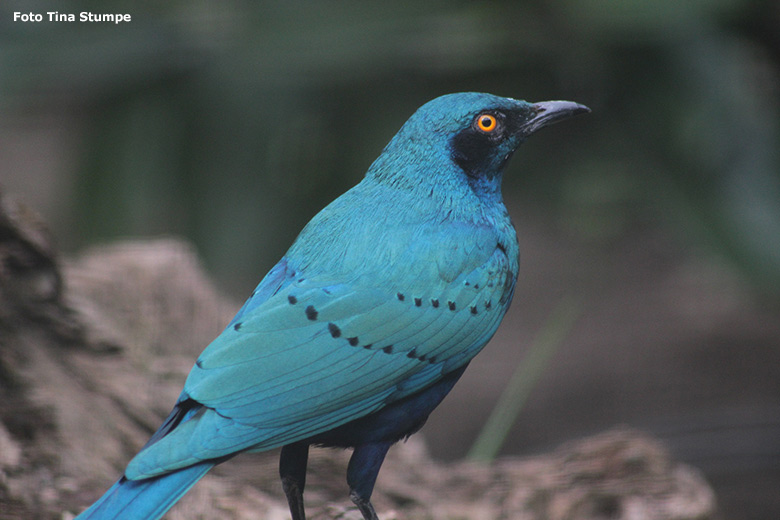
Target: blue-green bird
(365,324)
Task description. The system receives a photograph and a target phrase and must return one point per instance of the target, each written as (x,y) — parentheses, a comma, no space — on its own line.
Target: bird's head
(471,134)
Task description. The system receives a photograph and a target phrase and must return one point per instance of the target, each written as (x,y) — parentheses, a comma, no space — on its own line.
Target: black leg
(361,475)
(292,469)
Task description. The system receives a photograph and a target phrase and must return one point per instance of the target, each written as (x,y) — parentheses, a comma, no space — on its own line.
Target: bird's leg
(292,469)
(361,475)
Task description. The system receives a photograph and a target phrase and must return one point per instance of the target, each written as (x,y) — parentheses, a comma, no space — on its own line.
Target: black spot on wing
(311,312)
(417,302)
(353,341)
(400,296)
(237,325)
(473,309)
(435,303)
(388,349)
(292,299)
(412,354)
(451,305)
(335,331)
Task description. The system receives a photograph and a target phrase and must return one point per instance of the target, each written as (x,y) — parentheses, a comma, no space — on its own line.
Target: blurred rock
(30,279)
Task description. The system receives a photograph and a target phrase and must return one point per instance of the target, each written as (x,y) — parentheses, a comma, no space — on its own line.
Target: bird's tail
(146,499)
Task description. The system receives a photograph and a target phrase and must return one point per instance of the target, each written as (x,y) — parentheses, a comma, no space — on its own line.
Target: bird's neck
(434,182)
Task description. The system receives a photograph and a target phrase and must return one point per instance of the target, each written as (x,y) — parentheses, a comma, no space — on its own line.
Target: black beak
(549,112)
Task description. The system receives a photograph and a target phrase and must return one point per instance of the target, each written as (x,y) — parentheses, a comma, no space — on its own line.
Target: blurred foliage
(513,398)
(233,122)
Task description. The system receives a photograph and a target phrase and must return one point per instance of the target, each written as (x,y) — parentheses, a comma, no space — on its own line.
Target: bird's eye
(486,123)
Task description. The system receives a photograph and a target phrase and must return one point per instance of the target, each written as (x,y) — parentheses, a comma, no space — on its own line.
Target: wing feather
(304,355)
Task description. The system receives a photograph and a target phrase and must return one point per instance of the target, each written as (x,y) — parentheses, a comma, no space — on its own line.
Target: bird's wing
(304,356)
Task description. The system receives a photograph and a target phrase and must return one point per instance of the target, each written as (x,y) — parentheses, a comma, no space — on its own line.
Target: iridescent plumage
(367,321)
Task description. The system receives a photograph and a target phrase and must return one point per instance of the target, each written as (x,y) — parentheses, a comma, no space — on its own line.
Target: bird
(365,324)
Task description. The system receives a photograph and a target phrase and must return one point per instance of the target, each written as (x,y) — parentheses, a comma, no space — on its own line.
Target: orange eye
(486,122)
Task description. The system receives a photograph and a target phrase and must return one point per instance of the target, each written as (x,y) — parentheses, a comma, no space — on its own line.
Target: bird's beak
(549,112)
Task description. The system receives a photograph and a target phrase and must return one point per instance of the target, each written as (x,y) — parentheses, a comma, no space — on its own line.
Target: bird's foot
(364,505)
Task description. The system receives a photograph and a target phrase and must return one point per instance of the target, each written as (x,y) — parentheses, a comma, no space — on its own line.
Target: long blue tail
(147,499)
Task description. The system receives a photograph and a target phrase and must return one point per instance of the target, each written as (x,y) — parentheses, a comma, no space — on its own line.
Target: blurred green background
(232,123)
